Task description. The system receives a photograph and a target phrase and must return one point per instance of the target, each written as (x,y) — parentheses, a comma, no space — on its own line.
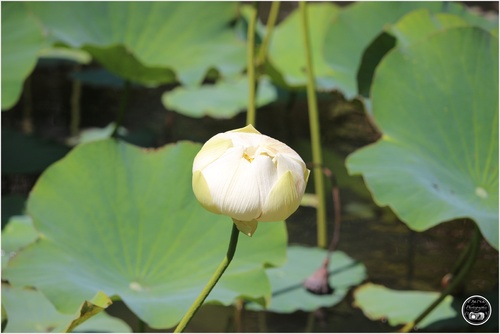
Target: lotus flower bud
(250,177)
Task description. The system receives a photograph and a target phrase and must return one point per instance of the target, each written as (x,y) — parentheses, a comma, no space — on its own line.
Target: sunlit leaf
(286,50)
(401,307)
(421,23)
(150,42)
(436,102)
(18,233)
(288,293)
(22,39)
(224,99)
(352,31)
(29,311)
(124,220)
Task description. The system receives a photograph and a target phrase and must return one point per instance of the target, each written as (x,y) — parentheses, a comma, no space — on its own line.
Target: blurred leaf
(357,25)
(225,99)
(353,30)
(29,311)
(92,134)
(124,220)
(286,49)
(439,115)
(400,307)
(18,233)
(22,154)
(150,42)
(22,39)
(75,55)
(288,293)
(420,24)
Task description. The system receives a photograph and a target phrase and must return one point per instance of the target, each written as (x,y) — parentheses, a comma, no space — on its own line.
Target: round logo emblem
(476,310)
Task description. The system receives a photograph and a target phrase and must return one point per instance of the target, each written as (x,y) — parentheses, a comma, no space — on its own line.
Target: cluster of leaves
(111,217)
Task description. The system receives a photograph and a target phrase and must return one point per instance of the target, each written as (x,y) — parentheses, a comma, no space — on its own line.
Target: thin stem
(76,91)
(473,249)
(27,122)
(211,283)
(238,315)
(315,132)
(123,106)
(251,67)
(271,21)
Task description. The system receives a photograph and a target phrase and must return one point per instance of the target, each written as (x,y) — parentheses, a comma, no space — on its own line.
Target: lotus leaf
(224,99)
(30,312)
(401,307)
(436,102)
(288,293)
(22,39)
(150,42)
(123,220)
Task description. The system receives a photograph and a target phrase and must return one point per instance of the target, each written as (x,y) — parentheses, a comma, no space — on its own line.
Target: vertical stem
(238,315)
(211,283)
(76,90)
(251,67)
(315,132)
(27,122)
(271,21)
(123,106)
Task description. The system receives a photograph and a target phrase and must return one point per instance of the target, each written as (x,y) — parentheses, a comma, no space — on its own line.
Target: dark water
(394,256)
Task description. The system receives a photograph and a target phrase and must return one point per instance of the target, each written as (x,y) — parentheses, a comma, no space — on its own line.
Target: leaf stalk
(315,132)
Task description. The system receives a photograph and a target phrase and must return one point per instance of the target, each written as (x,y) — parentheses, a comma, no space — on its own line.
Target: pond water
(394,256)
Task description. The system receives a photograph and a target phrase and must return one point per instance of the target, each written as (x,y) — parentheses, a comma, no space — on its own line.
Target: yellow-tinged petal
(249,129)
(212,150)
(247,228)
(282,201)
(202,192)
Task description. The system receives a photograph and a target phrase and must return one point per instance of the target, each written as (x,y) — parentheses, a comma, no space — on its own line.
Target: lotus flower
(249,177)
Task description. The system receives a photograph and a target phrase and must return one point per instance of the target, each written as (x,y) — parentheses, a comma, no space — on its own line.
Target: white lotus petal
(249,177)
(233,187)
(265,174)
(282,201)
(213,149)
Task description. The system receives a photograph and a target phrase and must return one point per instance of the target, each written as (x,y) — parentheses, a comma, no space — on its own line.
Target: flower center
(250,153)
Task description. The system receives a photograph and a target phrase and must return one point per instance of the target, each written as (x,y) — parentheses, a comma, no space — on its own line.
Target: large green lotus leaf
(224,99)
(352,31)
(123,220)
(436,102)
(146,41)
(286,49)
(288,292)
(29,311)
(421,23)
(401,307)
(22,39)
(18,233)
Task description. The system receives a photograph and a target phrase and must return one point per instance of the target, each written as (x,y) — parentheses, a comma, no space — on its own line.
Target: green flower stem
(473,249)
(271,21)
(211,283)
(315,132)
(120,115)
(251,67)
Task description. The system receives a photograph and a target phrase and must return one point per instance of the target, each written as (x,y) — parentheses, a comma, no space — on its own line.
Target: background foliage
(111,217)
